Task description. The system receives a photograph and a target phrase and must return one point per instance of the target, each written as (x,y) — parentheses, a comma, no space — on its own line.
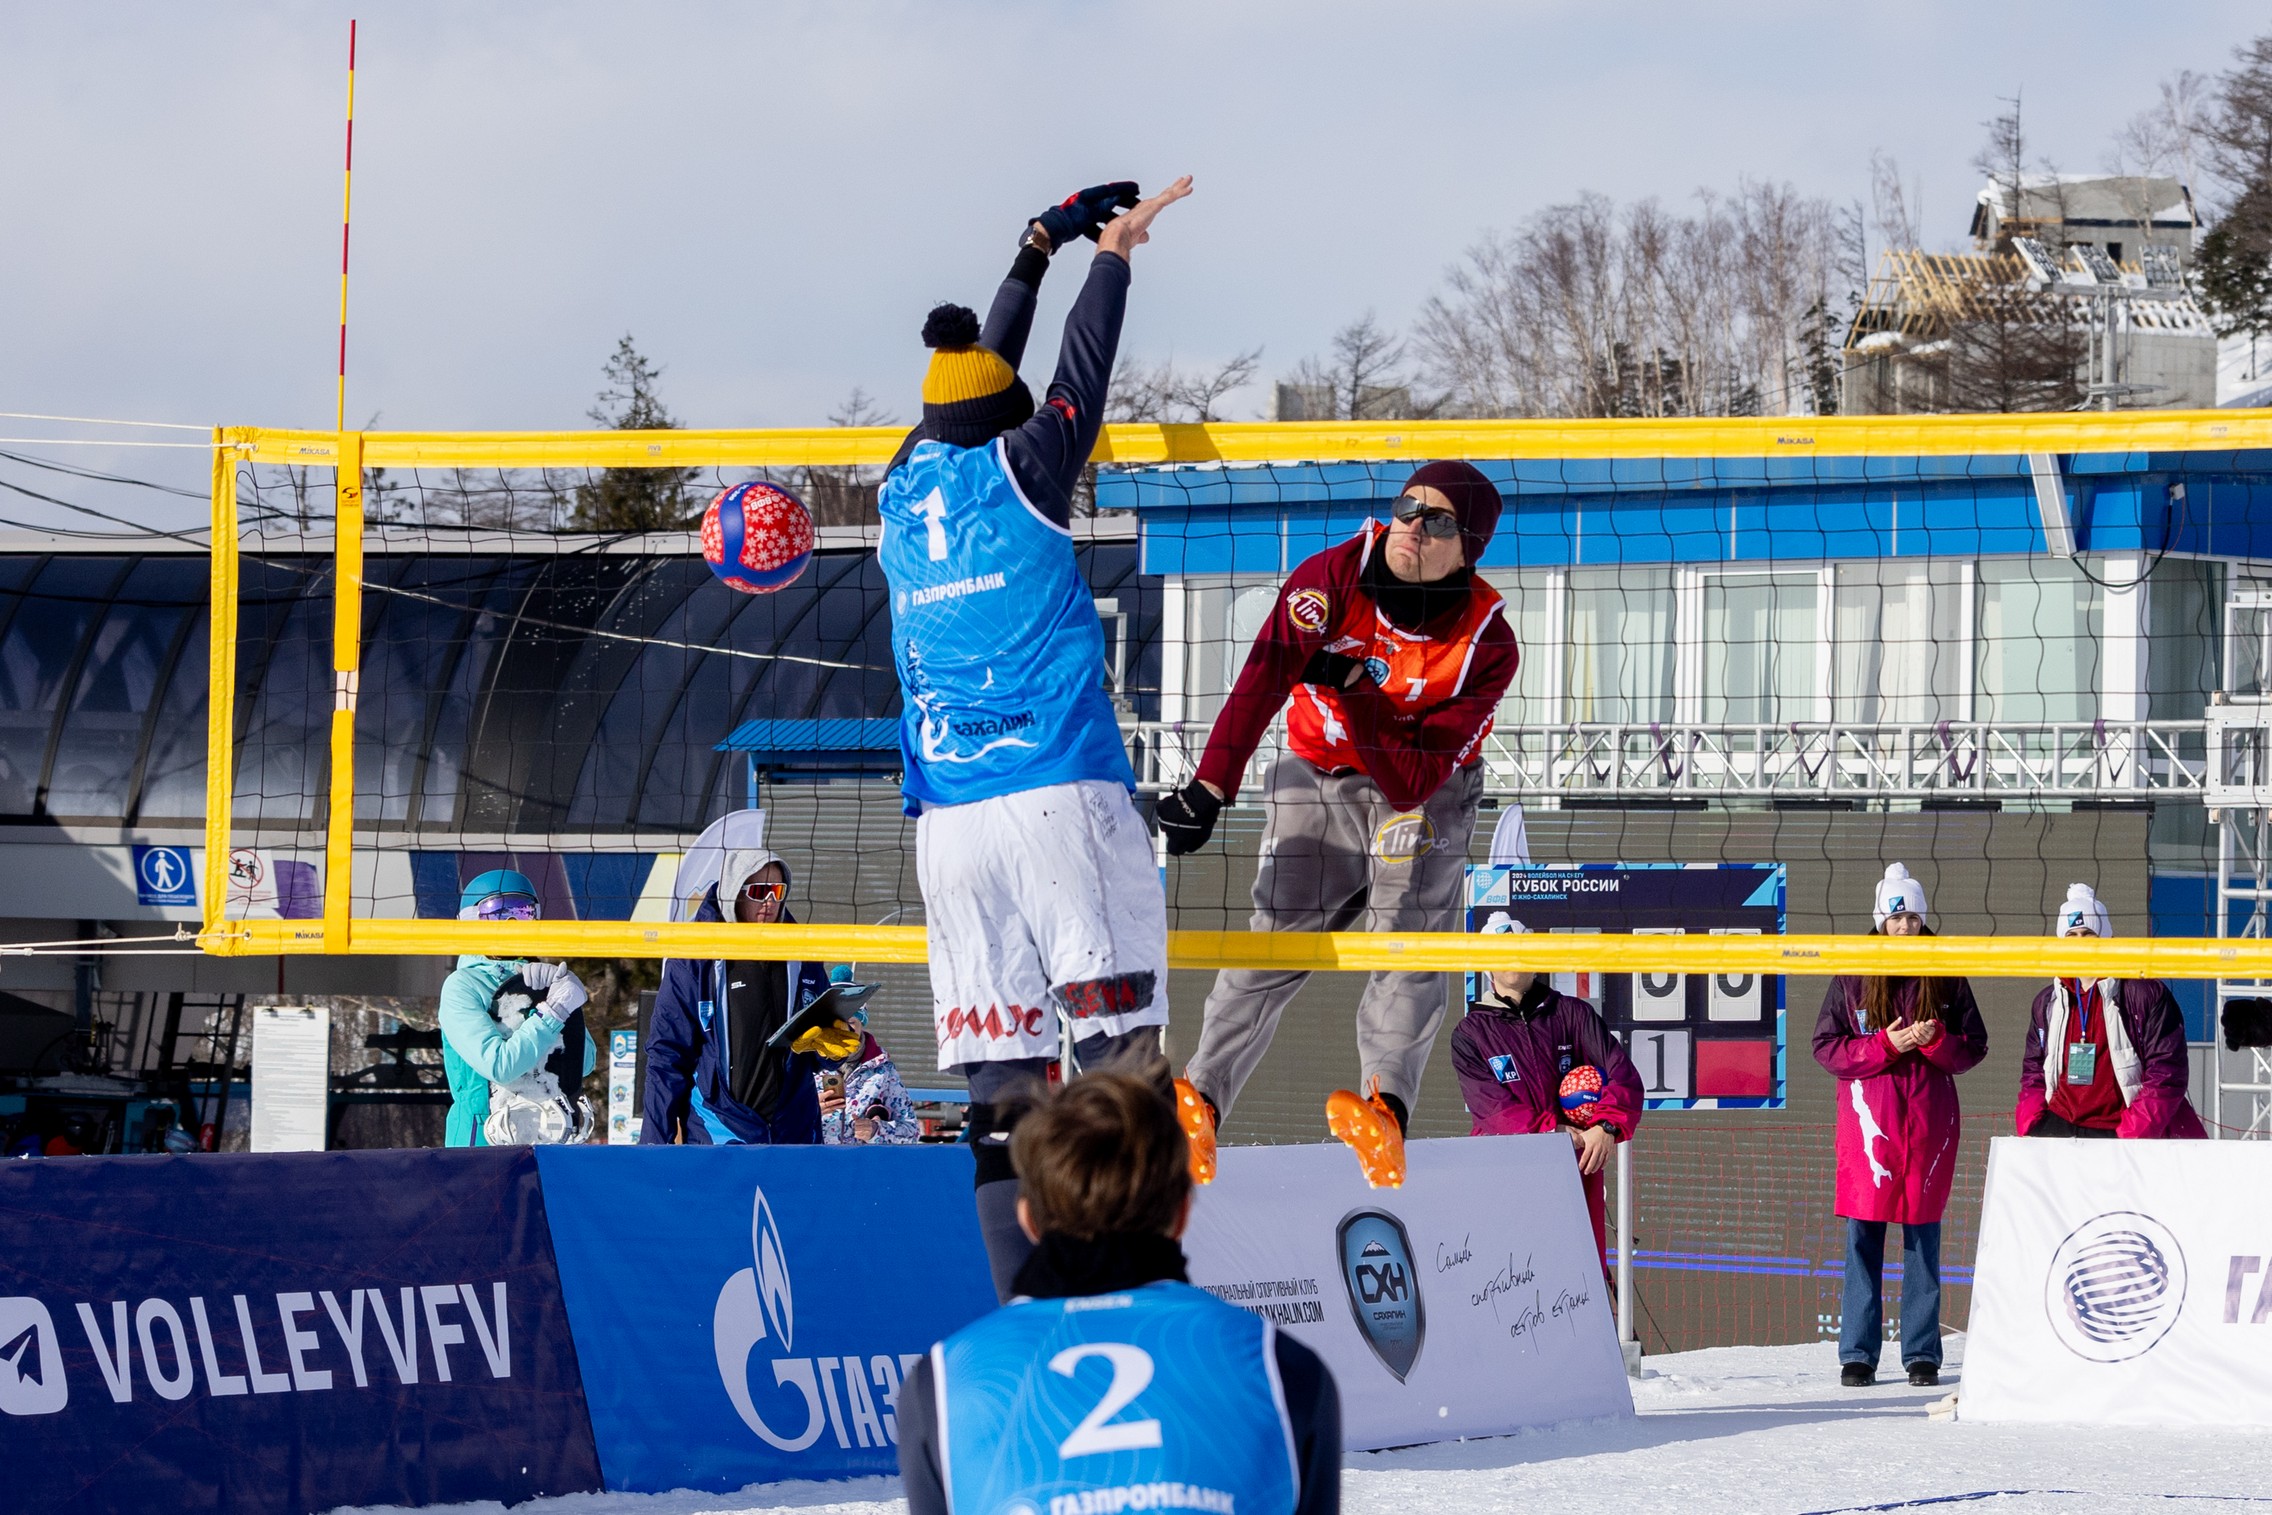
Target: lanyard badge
(2082,1056)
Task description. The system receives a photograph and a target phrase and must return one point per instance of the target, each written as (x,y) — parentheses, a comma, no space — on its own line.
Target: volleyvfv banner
(1467,1303)
(2123,1282)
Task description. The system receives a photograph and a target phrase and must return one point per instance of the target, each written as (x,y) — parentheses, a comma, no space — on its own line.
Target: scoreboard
(1699,1041)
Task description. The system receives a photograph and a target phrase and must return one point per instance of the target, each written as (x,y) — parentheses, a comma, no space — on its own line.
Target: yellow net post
(220,710)
(346,662)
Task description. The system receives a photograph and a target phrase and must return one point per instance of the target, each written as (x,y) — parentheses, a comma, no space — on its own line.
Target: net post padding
(346,661)
(220,708)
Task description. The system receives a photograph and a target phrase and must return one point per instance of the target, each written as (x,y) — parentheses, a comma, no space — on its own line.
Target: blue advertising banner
(746,1314)
(284,1333)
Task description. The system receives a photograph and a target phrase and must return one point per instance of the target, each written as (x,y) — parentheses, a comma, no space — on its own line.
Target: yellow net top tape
(1343,951)
(1317,442)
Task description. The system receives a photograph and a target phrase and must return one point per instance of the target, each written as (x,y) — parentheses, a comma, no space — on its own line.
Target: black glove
(1084,214)
(1187,817)
(1331,669)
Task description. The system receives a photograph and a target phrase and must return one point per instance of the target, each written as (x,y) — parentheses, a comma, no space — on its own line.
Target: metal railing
(2018,760)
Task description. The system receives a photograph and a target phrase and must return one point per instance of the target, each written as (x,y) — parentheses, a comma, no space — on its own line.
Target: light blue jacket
(476,1051)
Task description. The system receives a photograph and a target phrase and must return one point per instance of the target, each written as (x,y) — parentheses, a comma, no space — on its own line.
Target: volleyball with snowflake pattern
(757,537)
(1581,1095)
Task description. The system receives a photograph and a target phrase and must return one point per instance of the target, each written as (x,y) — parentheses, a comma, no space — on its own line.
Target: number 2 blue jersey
(1160,1398)
(994,633)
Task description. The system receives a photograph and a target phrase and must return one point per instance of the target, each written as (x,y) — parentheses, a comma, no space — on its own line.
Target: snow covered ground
(1732,1429)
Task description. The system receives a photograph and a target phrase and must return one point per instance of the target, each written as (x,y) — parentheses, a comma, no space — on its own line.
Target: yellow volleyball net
(2009,653)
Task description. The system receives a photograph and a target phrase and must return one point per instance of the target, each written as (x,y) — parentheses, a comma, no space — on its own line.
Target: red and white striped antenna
(346,207)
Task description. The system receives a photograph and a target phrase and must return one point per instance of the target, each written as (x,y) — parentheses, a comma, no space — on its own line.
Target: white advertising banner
(623,1120)
(1467,1303)
(2124,1283)
(291,1078)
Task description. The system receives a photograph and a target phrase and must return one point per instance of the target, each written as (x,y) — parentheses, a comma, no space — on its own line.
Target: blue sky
(769,196)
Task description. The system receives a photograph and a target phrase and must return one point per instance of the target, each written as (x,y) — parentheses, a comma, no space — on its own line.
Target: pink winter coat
(1898,1116)
(2146,1042)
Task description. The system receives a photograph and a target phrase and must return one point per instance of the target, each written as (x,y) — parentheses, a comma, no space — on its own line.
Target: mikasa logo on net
(757,1305)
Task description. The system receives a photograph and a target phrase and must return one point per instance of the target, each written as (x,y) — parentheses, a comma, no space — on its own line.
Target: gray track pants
(1336,856)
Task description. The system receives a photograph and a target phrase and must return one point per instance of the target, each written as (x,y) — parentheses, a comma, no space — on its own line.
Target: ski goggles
(505,907)
(1434,520)
(764,891)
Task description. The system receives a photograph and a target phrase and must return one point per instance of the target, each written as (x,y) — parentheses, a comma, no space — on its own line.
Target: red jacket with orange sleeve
(1442,686)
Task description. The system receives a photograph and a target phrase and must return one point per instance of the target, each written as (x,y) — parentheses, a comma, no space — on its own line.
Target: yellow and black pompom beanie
(970,395)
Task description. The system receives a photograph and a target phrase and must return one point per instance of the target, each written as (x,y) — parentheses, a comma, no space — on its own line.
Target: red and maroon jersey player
(1407,731)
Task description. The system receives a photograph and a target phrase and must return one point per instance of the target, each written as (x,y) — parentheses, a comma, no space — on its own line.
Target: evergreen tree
(634,499)
(2235,262)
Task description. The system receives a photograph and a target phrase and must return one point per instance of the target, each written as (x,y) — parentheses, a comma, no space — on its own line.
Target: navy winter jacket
(688,1060)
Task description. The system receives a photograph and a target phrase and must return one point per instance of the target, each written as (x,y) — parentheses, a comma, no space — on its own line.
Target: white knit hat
(1898,894)
(2082,908)
(1501,923)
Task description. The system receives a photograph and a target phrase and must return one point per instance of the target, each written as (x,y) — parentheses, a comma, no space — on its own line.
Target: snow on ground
(1726,1431)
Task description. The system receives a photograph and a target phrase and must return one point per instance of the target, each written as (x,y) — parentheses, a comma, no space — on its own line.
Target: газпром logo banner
(2123,1282)
(747,1315)
(2115,1286)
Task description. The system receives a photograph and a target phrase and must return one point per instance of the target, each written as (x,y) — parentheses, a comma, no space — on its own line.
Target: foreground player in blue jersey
(1039,883)
(1111,1383)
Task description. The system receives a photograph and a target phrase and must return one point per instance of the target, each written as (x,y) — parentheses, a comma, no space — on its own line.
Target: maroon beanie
(1475,500)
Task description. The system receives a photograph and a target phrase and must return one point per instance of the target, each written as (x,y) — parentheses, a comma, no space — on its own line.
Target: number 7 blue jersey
(1158,1398)
(994,633)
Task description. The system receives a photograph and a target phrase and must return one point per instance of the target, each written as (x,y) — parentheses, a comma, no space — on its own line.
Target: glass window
(1759,647)
(2039,625)
(1529,597)
(1619,660)
(101,735)
(2185,600)
(173,779)
(1222,621)
(1898,629)
(37,656)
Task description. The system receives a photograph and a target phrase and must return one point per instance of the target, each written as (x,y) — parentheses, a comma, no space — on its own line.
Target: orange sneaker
(1197,1118)
(1369,1127)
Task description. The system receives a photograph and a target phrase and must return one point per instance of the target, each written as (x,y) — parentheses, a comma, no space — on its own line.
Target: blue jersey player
(1039,882)
(1110,1383)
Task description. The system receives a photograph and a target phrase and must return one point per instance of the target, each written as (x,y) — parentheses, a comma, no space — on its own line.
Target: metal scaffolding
(2239,795)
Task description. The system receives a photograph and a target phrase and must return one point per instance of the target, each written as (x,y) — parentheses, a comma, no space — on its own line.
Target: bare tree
(2019,350)
(846,496)
(2166,137)
(1141,392)
(1586,310)
(1892,214)
(1365,378)
(1198,395)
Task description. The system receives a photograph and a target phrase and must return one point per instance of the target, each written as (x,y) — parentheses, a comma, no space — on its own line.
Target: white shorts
(1047,897)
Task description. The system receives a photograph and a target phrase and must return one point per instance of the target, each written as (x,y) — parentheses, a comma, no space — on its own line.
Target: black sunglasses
(1434,522)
